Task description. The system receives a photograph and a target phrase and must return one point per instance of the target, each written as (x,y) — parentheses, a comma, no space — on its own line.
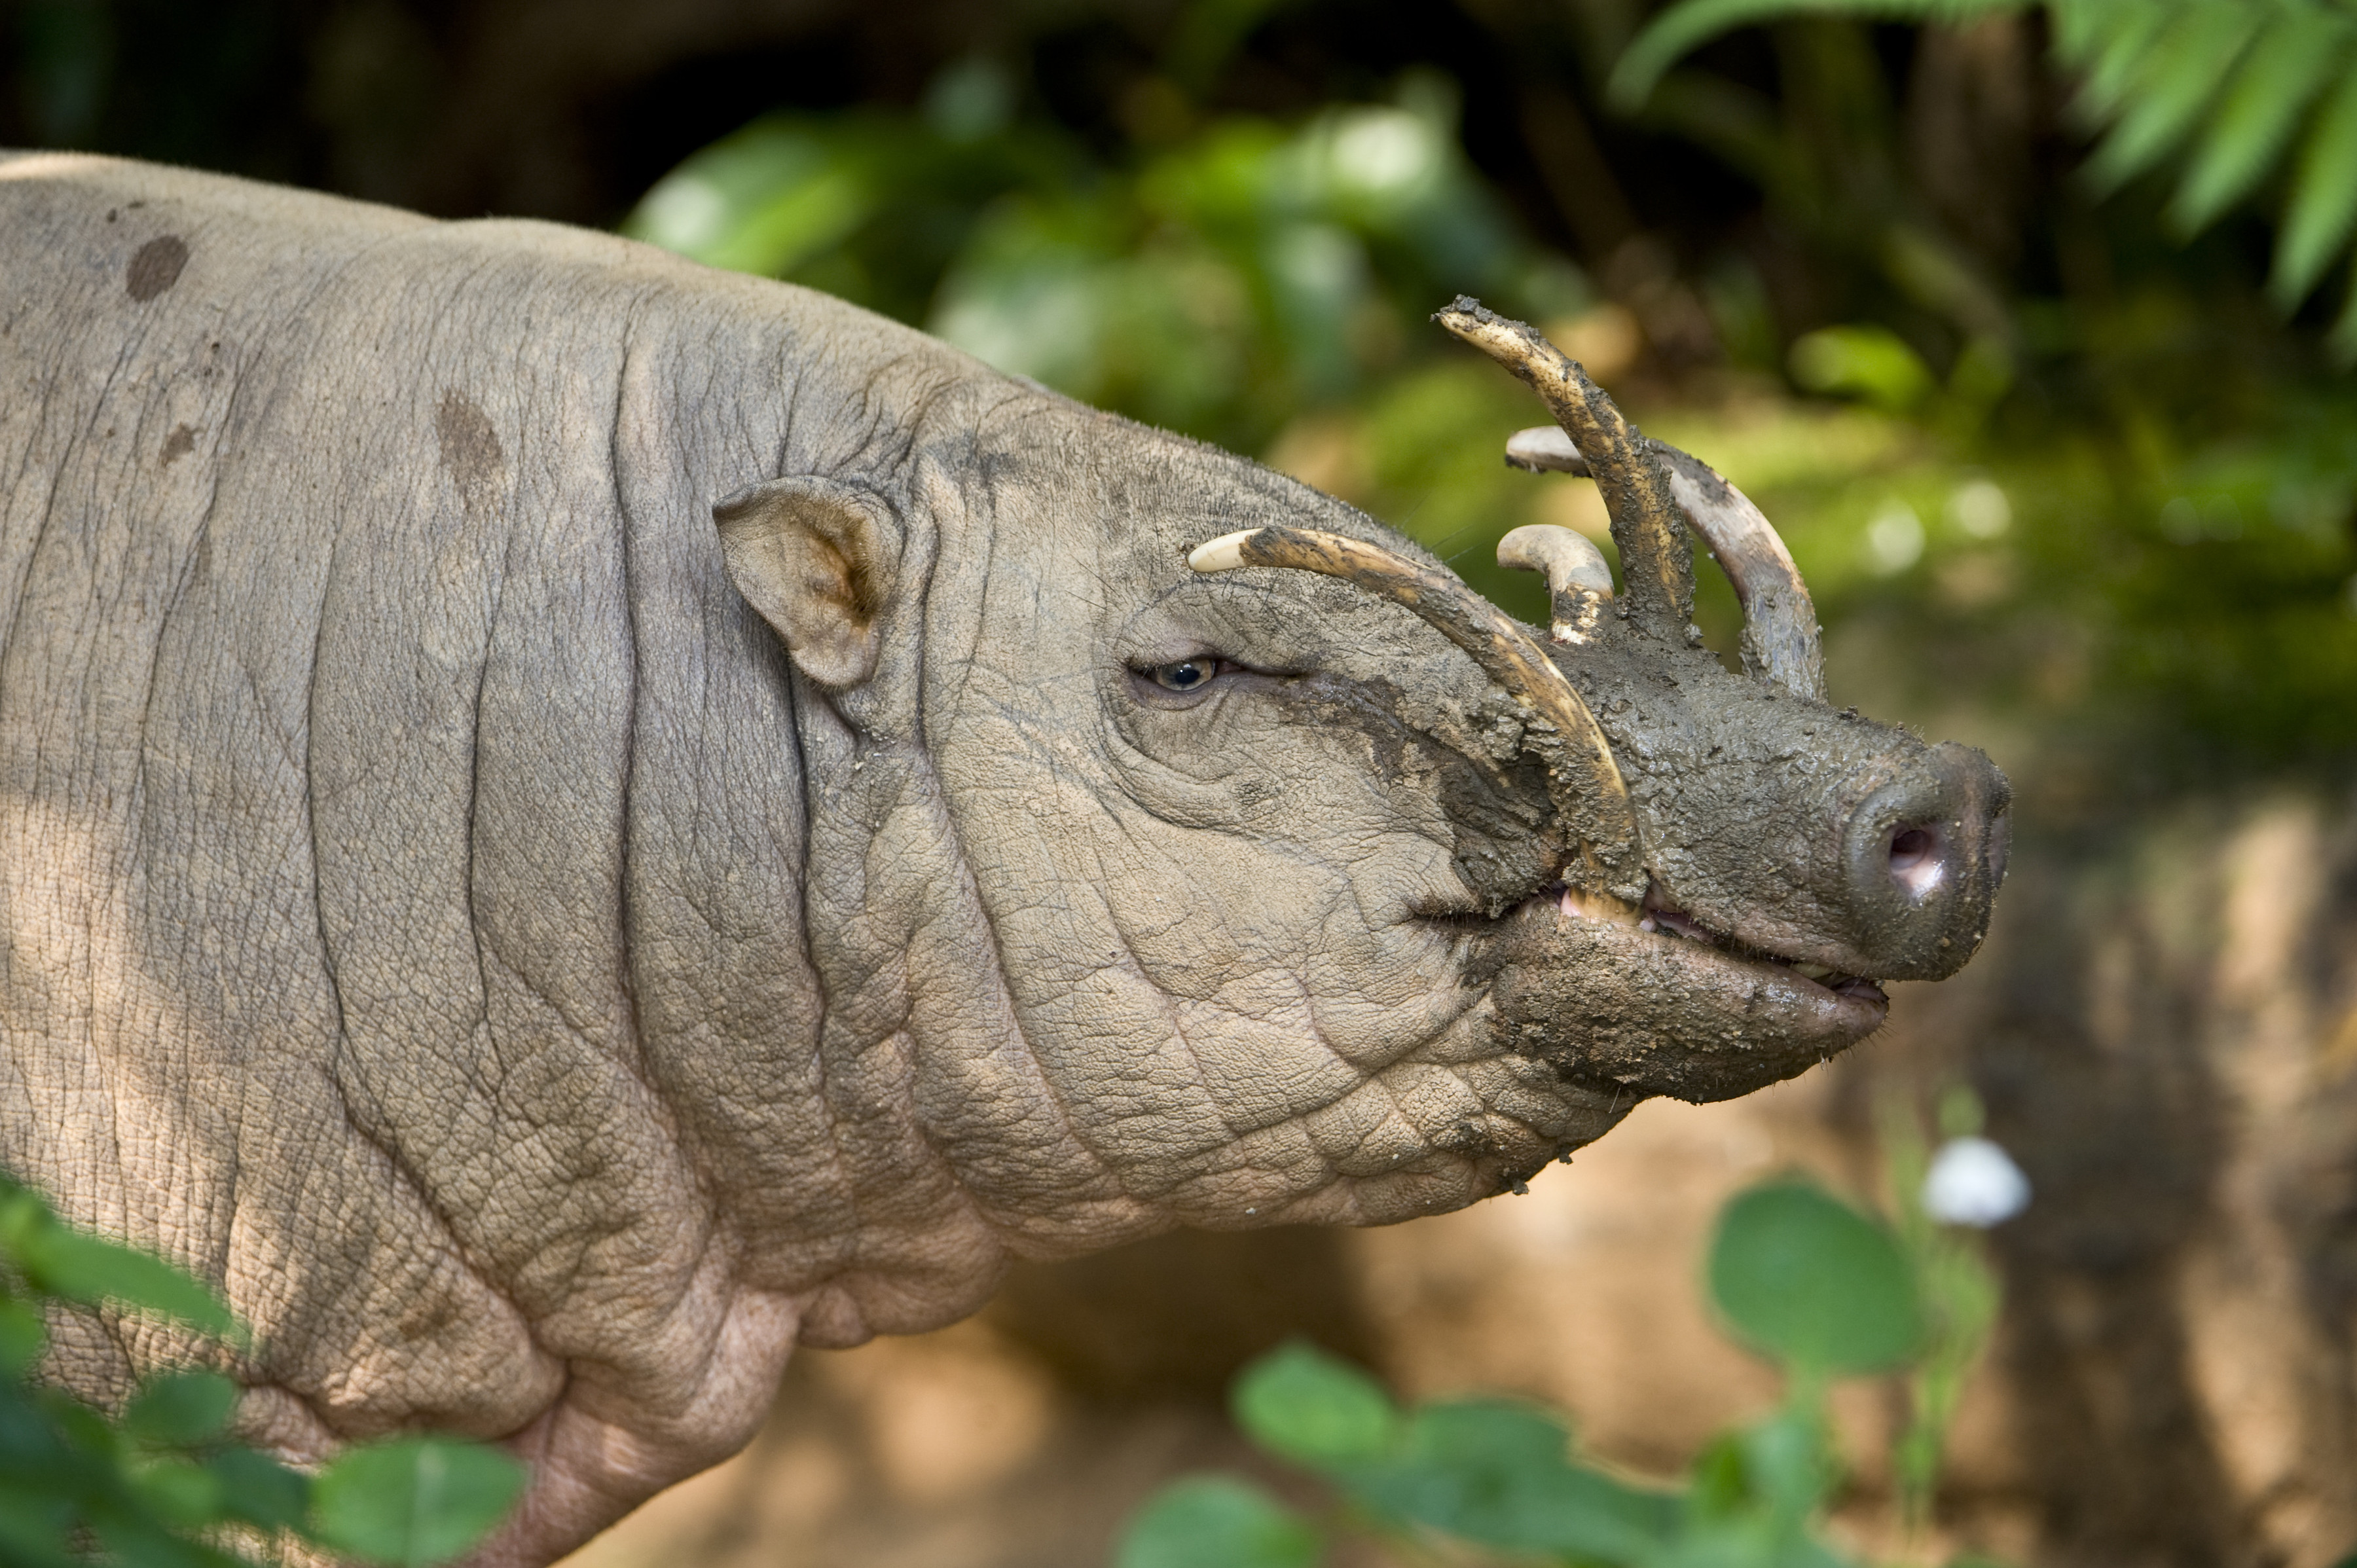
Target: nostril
(1919,861)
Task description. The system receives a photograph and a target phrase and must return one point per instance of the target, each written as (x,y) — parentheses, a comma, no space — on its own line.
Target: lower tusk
(1544,449)
(1780,640)
(1605,909)
(1578,581)
(1583,778)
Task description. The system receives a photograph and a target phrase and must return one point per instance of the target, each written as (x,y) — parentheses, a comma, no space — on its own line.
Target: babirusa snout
(1584,781)
(1923,854)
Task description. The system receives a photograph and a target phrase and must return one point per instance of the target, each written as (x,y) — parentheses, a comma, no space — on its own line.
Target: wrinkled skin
(542,968)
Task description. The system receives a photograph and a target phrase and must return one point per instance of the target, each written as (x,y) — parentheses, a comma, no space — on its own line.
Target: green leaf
(134,1539)
(1789,1465)
(1497,1472)
(179,1494)
(1810,1281)
(2272,88)
(1211,1521)
(1303,1405)
(1779,1469)
(34,1526)
(1863,361)
(23,1337)
(1721,1485)
(259,1490)
(1686,26)
(2173,83)
(2341,341)
(77,1424)
(22,1212)
(81,1268)
(2077,24)
(2108,42)
(180,1410)
(2323,199)
(413,1501)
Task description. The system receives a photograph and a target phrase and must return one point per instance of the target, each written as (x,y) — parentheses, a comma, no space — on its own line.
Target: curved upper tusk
(1654,554)
(1544,449)
(1578,581)
(1583,779)
(1781,642)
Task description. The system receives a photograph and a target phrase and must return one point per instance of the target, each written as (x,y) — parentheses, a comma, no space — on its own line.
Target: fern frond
(2296,55)
(2076,24)
(2175,81)
(2323,199)
(2225,83)
(1689,23)
(2105,41)
(2341,341)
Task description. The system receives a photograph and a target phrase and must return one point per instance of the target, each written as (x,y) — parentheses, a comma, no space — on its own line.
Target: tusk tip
(1601,907)
(1224,553)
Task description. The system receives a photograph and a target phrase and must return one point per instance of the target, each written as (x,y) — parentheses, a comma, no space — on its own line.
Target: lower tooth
(1810,971)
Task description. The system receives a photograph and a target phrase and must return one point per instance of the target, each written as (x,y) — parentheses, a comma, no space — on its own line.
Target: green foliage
(2231,84)
(1687,24)
(1215,283)
(1208,1519)
(1864,362)
(1315,1411)
(413,1501)
(1959,1291)
(160,1485)
(1821,1288)
(1813,1283)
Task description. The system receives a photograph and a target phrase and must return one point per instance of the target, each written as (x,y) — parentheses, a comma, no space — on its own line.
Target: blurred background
(2027,326)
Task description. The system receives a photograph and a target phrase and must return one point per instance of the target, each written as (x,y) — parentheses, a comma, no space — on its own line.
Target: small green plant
(1819,1287)
(159,1484)
(1940,1203)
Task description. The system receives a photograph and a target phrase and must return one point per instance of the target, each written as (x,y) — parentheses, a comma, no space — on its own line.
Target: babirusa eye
(1187,675)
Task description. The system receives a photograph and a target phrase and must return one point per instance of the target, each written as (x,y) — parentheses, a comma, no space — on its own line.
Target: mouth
(1668,1005)
(1662,918)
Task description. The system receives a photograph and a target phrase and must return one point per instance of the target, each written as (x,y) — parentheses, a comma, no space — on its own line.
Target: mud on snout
(1625,1010)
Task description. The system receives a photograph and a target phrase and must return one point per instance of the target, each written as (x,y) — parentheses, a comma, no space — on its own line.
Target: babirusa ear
(818,558)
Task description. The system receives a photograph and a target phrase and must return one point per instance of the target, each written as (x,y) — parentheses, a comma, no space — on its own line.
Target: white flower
(1974,1182)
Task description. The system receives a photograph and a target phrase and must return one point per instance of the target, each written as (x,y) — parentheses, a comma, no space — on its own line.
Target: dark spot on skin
(178,445)
(112,213)
(156,266)
(471,449)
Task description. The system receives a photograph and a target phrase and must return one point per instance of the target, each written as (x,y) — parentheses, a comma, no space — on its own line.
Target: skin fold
(544,947)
